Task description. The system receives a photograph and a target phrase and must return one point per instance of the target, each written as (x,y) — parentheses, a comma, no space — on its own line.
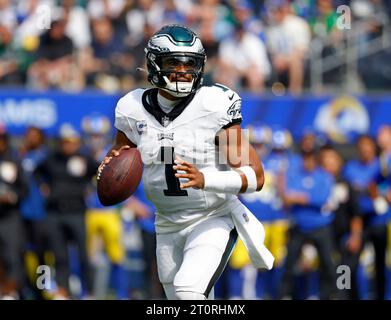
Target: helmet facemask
(179,74)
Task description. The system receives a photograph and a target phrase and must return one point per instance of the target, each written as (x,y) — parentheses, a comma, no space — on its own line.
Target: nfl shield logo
(141,126)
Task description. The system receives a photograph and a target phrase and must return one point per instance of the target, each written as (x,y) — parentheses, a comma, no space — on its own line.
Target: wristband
(229,181)
(251,178)
(222,181)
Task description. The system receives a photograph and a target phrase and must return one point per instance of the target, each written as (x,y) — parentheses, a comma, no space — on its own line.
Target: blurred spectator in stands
(242,12)
(8,64)
(372,23)
(144,212)
(139,56)
(32,153)
(7,17)
(105,8)
(384,141)
(150,13)
(307,192)
(32,22)
(34,17)
(54,67)
(206,32)
(77,23)
(382,190)
(308,142)
(288,40)
(387,7)
(274,150)
(213,11)
(277,166)
(108,62)
(64,176)
(243,280)
(323,22)
(348,223)
(361,173)
(213,22)
(211,47)
(13,189)
(145,12)
(304,8)
(104,224)
(171,14)
(243,61)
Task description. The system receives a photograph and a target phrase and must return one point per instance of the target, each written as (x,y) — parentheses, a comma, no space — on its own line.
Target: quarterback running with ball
(196,160)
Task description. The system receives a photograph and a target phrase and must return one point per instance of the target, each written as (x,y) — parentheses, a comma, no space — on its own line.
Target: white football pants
(190,261)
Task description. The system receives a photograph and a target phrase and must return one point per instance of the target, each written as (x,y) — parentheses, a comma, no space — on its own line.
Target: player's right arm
(121,143)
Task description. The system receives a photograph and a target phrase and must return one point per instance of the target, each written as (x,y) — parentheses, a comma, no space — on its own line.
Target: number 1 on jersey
(173,184)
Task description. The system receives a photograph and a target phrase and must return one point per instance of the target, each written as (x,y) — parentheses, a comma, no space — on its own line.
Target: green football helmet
(173,46)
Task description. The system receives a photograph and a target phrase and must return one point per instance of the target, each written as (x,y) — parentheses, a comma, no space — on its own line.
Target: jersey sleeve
(123,120)
(231,108)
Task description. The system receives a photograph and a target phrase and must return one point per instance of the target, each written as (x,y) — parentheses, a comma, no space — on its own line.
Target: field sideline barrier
(340,117)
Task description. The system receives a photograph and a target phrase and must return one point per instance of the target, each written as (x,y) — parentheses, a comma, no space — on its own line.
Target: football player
(185,133)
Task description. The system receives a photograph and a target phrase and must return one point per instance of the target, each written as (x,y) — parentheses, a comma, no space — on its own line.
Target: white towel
(252,234)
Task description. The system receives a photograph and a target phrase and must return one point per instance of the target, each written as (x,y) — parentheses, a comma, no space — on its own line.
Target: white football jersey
(189,132)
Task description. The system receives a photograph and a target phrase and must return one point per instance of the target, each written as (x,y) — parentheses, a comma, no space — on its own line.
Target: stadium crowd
(251,45)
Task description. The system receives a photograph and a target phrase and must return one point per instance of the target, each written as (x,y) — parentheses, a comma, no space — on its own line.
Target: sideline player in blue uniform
(361,174)
(306,196)
(273,149)
(32,208)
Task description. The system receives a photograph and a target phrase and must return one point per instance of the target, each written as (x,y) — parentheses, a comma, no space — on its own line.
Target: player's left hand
(196,177)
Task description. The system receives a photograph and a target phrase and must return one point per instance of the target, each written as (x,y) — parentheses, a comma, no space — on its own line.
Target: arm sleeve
(259,57)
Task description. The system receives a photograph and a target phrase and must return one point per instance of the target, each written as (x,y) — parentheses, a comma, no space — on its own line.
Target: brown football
(120,178)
